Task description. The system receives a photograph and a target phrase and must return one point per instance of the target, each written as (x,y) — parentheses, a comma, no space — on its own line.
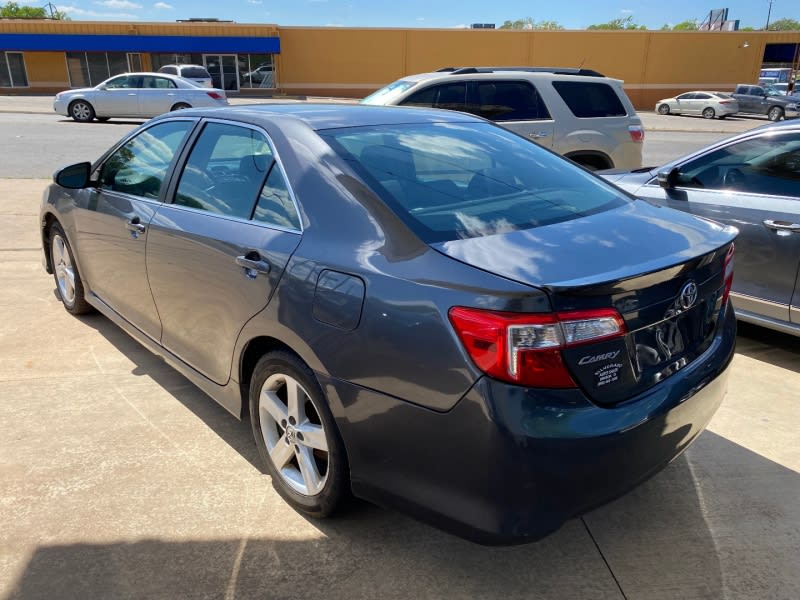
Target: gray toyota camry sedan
(414,307)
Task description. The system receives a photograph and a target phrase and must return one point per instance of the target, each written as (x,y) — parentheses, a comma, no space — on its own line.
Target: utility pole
(769,12)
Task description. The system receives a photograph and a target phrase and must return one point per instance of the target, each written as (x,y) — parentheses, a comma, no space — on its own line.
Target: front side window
(510,101)
(456,180)
(688,96)
(763,165)
(590,99)
(12,70)
(225,170)
(123,82)
(449,96)
(140,165)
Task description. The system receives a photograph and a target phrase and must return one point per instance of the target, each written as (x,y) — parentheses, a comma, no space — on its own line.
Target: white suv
(578,113)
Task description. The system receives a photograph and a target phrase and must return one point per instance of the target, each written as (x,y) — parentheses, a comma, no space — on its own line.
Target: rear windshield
(388,94)
(589,99)
(196,72)
(449,181)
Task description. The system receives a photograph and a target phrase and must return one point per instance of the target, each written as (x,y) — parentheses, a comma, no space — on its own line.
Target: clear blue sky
(421,13)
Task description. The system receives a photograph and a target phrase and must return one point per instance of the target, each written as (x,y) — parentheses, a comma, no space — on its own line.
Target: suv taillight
(728,275)
(526,348)
(636,132)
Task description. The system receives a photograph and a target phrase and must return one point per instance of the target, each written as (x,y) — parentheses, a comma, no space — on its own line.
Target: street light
(769,12)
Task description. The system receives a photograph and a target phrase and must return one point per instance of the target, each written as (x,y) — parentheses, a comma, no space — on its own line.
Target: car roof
(504,72)
(333,116)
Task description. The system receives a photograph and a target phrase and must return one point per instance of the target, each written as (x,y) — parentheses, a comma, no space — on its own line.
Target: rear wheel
(775,113)
(81,111)
(180,106)
(296,435)
(663,109)
(68,281)
(708,113)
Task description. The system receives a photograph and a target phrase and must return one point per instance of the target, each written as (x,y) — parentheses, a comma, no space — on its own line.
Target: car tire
(180,106)
(709,113)
(81,111)
(663,109)
(300,445)
(69,285)
(775,113)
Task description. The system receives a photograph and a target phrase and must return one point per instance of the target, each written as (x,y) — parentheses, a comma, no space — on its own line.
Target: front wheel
(775,113)
(68,281)
(81,111)
(296,435)
(663,109)
(708,113)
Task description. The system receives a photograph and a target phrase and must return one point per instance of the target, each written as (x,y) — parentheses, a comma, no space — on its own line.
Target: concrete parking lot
(122,480)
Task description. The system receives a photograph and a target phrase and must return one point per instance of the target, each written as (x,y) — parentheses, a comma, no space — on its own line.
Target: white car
(138,95)
(195,73)
(707,104)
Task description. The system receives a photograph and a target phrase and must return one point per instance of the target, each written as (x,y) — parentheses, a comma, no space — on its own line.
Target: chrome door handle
(253,266)
(132,94)
(782,225)
(538,134)
(135,227)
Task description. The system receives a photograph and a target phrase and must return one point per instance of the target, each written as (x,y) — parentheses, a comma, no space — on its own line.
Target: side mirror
(73,177)
(668,178)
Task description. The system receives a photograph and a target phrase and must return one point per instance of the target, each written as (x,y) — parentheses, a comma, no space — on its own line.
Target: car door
(217,252)
(517,106)
(686,103)
(113,218)
(119,97)
(157,95)
(754,185)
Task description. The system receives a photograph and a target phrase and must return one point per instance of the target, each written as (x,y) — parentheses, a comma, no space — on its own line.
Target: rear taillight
(526,348)
(636,132)
(728,275)
(215,95)
(726,101)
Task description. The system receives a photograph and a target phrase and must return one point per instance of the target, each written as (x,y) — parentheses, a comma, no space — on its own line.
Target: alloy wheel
(65,272)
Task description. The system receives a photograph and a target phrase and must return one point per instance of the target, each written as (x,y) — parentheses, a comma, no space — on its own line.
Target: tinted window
(590,99)
(449,181)
(275,205)
(450,96)
(157,82)
(170,70)
(688,96)
(195,72)
(510,101)
(764,165)
(139,166)
(124,82)
(225,170)
(701,96)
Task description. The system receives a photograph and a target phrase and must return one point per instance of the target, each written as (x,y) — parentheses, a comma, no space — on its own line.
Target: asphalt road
(37,144)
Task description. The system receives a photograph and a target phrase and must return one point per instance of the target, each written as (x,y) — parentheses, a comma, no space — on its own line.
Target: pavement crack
(603,556)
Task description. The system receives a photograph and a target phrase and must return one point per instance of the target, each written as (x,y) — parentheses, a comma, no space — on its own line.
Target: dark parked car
(751,181)
(415,306)
(759,100)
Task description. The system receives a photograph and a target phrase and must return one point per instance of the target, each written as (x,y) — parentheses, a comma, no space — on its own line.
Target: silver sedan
(707,104)
(138,95)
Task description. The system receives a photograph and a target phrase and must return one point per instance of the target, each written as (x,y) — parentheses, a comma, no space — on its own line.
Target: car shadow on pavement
(766,345)
(720,522)
(109,122)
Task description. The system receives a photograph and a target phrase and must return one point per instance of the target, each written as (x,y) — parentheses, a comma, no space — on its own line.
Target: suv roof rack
(554,70)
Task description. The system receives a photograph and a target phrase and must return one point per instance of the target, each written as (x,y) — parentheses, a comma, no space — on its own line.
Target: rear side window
(194,72)
(450,96)
(590,99)
(451,181)
(510,101)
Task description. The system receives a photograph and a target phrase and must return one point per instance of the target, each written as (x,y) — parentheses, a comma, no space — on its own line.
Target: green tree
(686,26)
(12,10)
(625,23)
(784,25)
(530,23)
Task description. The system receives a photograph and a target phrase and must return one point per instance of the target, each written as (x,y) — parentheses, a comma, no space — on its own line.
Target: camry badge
(688,295)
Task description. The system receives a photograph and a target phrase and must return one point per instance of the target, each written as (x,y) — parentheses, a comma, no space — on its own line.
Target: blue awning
(34,42)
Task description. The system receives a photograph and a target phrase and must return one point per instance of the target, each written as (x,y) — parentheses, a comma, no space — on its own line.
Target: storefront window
(12,70)
(90,68)
(257,71)
(159,60)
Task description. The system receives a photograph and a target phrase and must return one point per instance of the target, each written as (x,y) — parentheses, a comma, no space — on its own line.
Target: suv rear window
(590,99)
(196,72)
(448,181)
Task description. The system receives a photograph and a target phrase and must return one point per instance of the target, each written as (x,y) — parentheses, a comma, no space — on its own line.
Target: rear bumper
(508,464)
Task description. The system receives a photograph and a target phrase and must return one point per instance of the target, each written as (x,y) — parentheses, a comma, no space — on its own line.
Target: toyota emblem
(688,295)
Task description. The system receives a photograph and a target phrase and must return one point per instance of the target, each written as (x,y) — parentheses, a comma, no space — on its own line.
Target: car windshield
(459,180)
(389,93)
